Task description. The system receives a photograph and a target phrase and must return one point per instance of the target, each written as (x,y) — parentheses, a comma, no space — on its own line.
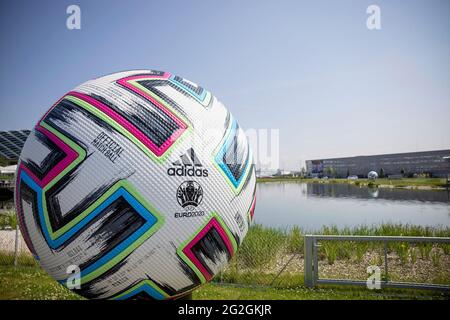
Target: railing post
(386,261)
(309,275)
(312,244)
(16,246)
(315,262)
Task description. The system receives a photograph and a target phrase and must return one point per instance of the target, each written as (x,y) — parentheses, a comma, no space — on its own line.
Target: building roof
(8,169)
(11,143)
(437,152)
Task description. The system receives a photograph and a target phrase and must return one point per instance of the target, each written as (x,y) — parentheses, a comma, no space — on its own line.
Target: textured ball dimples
(135,185)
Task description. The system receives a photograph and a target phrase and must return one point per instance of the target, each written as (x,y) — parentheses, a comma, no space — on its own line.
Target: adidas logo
(188,166)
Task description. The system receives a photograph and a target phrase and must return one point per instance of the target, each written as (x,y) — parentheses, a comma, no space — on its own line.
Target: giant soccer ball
(138,184)
(372,175)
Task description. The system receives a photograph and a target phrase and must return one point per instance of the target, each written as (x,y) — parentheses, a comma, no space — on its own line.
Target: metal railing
(311,261)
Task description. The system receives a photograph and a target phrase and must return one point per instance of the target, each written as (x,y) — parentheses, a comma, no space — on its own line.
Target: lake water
(312,205)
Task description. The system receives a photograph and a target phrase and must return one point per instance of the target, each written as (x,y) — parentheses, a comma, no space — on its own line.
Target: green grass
(8,219)
(295,240)
(6,176)
(257,263)
(261,256)
(398,183)
(262,245)
(5,162)
(231,292)
(25,260)
(31,283)
(258,278)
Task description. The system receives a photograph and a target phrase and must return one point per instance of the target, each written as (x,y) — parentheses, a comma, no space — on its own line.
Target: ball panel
(99,182)
(209,248)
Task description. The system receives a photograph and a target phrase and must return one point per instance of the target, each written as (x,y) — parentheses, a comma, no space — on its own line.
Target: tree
(303,172)
(333,172)
(330,172)
(348,173)
(381,173)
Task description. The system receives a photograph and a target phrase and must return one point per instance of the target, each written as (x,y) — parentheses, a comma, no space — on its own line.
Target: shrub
(8,220)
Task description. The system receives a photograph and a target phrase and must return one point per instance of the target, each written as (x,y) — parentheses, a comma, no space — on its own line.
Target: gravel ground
(415,269)
(419,270)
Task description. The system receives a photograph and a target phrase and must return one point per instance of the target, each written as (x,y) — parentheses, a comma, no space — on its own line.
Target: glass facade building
(432,163)
(11,143)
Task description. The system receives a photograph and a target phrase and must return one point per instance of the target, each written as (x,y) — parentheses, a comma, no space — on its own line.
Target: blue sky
(309,68)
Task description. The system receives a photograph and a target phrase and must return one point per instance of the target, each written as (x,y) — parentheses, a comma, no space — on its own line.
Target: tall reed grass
(263,245)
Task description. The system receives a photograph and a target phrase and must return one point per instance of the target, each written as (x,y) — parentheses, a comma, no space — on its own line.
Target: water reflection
(335,190)
(313,205)
(373,192)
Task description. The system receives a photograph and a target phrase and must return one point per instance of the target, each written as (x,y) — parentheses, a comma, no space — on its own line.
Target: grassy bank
(6,176)
(32,283)
(419,183)
(274,258)
(8,220)
(266,251)
(263,243)
(263,246)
